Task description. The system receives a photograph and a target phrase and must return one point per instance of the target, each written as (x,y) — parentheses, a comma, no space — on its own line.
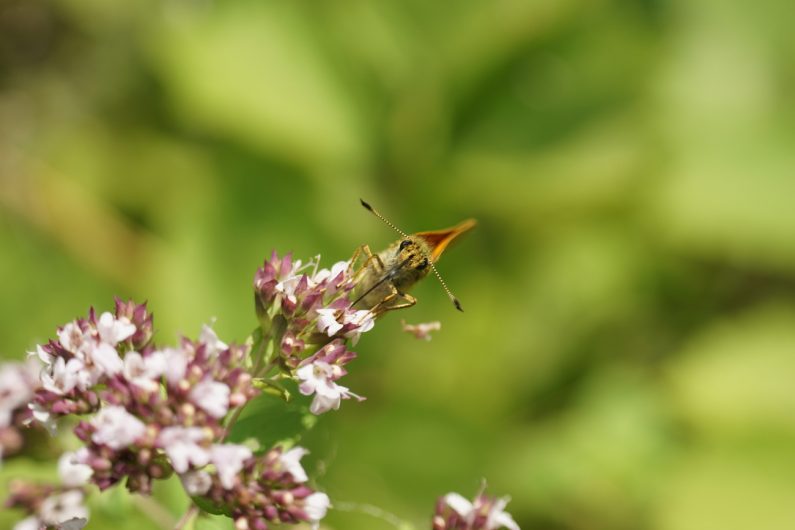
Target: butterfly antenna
(452,297)
(384,219)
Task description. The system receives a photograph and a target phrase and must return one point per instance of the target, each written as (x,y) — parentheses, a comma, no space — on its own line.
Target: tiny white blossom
(112,330)
(43,417)
(326,274)
(499,518)
(316,378)
(212,396)
(180,444)
(364,320)
(196,482)
(106,358)
(176,365)
(116,428)
(315,506)
(17,382)
(459,504)
(291,460)
(228,460)
(45,358)
(73,473)
(496,518)
(28,523)
(71,338)
(143,371)
(58,509)
(212,343)
(327,321)
(65,376)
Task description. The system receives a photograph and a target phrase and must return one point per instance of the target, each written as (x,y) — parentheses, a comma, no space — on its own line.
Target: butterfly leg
(371,261)
(384,305)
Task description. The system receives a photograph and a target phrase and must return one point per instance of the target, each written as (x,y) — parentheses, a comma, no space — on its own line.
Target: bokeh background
(627,354)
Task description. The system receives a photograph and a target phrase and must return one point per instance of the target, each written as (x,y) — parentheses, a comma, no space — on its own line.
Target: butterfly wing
(438,240)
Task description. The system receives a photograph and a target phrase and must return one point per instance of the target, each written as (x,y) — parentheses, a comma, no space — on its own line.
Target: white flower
(43,417)
(73,473)
(459,504)
(45,358)
(316,506)
(116,428)
(71,338)
(327,321)
(144,372)
(211,396)
(196,482)
(364,320)
(212,343)
(112,330)
(176,365)
(28,523)
(65,376)
(496,518)
(17,382)
(228,460)
(325,274)
(315,379)
(180,444)
(291,461)
(499,518)
(106,358)
(59,509)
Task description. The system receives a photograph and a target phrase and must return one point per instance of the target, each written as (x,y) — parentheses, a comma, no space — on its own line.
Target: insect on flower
(388,275)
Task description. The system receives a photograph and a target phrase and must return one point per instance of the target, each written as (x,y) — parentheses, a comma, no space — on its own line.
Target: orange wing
(438,240)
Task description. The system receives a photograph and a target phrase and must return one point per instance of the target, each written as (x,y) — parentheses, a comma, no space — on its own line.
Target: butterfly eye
(404,244)
(423,264)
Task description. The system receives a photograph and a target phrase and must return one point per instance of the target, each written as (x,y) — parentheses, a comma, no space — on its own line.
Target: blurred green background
(627,354)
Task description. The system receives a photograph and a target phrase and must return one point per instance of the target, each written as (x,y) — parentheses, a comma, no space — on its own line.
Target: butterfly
(385,278)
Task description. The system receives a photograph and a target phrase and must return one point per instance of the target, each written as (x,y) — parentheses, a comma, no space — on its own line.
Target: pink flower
(116,428)
(421,331)
(228,460)
(211,396)
(180,444)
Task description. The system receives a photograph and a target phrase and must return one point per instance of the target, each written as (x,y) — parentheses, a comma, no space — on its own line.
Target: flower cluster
(309,313)
(48,506)
(18,382)
(454,512)
(266,489)
(156,411)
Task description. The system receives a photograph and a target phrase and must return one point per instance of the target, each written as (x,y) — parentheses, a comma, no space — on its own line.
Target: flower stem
(187,517)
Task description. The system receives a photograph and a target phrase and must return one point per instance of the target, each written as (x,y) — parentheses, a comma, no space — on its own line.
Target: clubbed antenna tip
(457,304)
(366,205)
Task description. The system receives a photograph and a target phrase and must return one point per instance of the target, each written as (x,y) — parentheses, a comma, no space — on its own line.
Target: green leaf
(270,420)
